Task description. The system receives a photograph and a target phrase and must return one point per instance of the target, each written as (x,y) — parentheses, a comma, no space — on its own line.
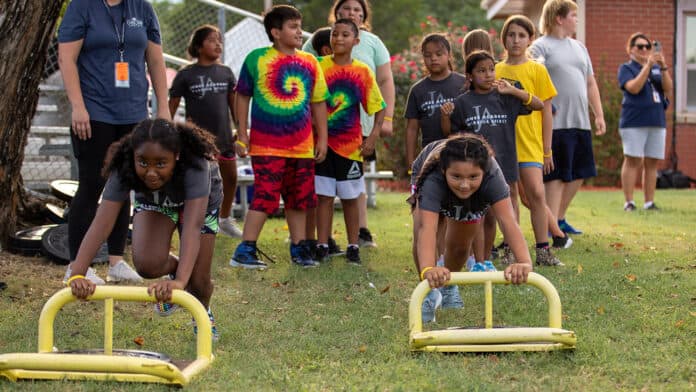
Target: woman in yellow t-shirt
(533,134)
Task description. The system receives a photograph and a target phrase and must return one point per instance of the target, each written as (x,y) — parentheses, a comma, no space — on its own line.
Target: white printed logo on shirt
(206,85)
(479,118)
(134,23)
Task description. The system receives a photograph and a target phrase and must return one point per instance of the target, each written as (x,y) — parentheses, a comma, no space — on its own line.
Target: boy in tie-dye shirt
(351,85)
(288,91)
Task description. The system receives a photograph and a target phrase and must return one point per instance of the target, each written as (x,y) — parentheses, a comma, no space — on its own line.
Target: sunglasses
(643,46)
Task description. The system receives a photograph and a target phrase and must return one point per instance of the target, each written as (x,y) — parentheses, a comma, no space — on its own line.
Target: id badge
(656,97)
(121,75)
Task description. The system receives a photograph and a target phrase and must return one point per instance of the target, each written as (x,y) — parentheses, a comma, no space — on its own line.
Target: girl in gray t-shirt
(172,169)
(458,179)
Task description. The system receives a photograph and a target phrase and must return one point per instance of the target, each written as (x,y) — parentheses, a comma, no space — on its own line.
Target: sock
(325,246)
(647,204)
(353,246)
(540,245)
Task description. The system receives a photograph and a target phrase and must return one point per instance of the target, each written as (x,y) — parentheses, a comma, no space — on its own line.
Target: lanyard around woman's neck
(120,35)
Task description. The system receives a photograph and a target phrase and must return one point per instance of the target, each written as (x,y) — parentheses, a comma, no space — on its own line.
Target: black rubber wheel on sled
(54,245)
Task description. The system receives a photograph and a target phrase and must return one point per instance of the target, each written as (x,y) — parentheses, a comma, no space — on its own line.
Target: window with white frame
(690,62)
(685,67)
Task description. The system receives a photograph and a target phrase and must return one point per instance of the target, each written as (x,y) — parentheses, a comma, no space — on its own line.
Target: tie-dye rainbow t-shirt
(281,87)
(350,86)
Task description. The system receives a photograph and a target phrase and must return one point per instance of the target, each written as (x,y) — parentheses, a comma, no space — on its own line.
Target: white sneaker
(122,272)
(228,226)
(90,275)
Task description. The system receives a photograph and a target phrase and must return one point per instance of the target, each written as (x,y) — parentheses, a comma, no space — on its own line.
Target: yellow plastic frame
(59,366)
(490,339)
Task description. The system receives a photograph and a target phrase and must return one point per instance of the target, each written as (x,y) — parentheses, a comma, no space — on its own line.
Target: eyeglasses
(643,46)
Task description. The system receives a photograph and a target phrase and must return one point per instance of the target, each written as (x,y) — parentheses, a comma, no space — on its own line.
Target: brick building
(604,27)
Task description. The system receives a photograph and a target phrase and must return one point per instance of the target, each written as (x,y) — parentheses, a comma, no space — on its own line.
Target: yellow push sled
(490,339)
(109,364)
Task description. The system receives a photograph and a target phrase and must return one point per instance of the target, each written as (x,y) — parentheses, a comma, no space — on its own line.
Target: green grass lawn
(628,290)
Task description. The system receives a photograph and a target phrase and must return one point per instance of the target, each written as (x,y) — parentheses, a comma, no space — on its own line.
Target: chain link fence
(48,154)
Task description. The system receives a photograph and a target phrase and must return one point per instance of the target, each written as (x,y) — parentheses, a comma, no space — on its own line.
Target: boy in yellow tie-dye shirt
(351,85)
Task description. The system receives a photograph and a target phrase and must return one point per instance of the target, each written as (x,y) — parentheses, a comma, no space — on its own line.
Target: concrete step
(49,131)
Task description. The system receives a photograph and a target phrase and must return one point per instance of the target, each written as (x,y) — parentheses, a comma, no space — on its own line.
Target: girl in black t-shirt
(460,180)
(159,160)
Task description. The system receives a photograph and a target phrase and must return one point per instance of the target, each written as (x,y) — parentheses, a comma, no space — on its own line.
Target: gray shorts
(644,142)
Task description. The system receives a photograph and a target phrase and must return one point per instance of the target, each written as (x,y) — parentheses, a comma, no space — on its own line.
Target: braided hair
(465,147)
(185,140)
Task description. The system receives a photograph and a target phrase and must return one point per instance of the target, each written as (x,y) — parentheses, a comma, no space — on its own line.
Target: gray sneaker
(90,275)
(507,258)
(451,298)
(544,256)
(228,226)
(122,272)
(430,305)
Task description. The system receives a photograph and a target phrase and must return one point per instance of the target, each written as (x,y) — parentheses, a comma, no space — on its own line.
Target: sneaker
(300,255)
(321,253)
(228,226)
(430,304)
(562,242)
(451,298)
(488,265)
(312,248)
(629,206)
(544,256)
(213,329)
(245,256)
(365,238)
(91,275)
(508,257)
(567,228)
(122,272)
(470,262)
(478,267)
(334,249)
(164,309)
(353,255)
(650,207)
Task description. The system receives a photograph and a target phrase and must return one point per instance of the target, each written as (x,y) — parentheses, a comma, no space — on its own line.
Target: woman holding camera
(646,86)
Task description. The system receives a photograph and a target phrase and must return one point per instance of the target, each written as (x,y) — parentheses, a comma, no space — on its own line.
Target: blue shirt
(641,110)
(92,22)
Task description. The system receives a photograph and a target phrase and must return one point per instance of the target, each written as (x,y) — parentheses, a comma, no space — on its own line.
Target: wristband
(241,143)
(664,68)
(387,118)
(548,155)
(73,278)
(409,172)
(423,271)
(529,100)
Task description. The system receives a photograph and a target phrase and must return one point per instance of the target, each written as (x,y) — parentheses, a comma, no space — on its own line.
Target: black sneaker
(353,255)
(365,238)
(312,248)
(562,242)
(630,206)
(334,249)
(300,255)
(321,254)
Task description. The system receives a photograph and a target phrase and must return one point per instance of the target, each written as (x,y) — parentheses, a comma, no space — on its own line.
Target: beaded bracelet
(73,278)
(423,271)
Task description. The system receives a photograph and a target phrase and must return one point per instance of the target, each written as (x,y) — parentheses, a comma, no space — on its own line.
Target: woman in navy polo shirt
(103,48)
(646,86)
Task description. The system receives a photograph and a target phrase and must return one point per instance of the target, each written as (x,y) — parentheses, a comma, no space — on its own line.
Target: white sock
(629,202)
(647,204)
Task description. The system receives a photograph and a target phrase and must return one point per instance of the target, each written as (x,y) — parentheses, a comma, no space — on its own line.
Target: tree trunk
(26,28)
